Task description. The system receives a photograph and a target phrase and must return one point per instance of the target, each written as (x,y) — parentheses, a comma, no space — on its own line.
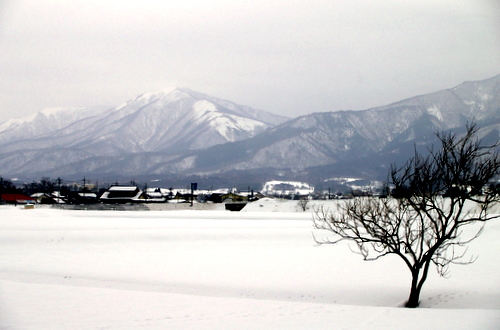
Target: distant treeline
(45,185)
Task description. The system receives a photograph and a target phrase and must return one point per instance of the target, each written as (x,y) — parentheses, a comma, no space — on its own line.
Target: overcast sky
(285,56)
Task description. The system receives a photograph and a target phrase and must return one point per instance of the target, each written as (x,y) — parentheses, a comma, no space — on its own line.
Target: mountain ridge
(149,122)
(183,133)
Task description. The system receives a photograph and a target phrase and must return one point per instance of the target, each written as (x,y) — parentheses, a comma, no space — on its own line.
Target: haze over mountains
(179,133)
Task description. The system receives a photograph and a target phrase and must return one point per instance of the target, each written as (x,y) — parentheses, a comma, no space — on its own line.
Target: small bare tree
(434,196)
(303,202)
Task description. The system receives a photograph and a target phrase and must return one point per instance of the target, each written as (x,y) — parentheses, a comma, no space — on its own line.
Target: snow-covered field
(257,269)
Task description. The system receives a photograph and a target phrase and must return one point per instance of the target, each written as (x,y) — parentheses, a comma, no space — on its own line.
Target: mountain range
(180,134)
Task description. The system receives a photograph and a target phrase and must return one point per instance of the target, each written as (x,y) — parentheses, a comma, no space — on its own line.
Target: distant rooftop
(123,188)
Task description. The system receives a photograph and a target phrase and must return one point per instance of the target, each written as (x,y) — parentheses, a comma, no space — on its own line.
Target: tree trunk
(417,283)
(414,299)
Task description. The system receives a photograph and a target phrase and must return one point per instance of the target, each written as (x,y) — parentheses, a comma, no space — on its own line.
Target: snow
(228,126)
(280,187)
(435,111)
(257,269)
(123,188)
(149,97)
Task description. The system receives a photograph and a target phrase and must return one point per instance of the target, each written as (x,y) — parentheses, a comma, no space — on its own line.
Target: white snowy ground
(258,269)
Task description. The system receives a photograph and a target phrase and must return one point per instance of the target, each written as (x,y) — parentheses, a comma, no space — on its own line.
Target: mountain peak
(171,120)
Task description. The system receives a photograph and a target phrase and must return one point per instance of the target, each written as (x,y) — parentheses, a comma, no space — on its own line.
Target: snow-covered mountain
(46,121)
(181,132)
(170,122)
(356,139)
(364,142)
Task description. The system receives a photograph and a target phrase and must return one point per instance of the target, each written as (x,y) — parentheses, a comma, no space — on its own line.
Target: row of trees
(48,185)
(45,185)
(7,187)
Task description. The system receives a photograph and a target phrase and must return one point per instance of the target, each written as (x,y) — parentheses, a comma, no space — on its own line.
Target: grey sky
(285,56)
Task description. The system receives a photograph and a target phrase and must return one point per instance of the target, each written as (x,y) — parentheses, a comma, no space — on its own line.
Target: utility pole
(194,186)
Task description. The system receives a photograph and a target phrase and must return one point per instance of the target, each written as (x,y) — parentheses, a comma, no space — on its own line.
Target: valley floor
(195,269)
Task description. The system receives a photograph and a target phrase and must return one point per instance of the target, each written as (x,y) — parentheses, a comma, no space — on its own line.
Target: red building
(16,199)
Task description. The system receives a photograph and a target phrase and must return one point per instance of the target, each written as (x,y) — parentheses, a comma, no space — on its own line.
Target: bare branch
(433,199)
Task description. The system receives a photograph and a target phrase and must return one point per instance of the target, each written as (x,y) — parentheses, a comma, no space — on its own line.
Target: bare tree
(434,196)
(303,202)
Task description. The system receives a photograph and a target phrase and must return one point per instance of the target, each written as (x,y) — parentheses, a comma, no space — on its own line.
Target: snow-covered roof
(154,194)
(37,195)
(88,195)
(123,188)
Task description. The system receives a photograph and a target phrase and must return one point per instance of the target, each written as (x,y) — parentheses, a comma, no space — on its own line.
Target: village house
(43,198)
(122,194)
(153,195)
(82,197)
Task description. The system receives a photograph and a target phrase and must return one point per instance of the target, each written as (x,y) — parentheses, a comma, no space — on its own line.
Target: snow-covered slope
(169,121)
(46,121)
(338,137)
